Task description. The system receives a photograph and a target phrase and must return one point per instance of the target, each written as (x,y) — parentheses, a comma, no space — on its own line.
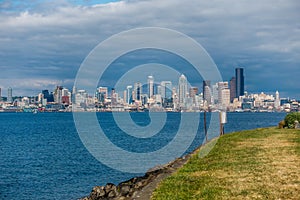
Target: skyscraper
(9,95)
(206,91)
(232,88)
(138,91)
(239,75)
(277,100)
(222,86)
(166,89)
(193,92)
(182,88)
(129,94)
(150,86)
(223,94)
(58,94)
(48,96)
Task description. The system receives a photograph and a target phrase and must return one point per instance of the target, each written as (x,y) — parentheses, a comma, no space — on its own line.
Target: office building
(232,86)
(207,91)
(150,86)
(129,94)
(239,75)
(215,94)
(166,89)
(47,96)
(277,100)
(222,86)
(193,92)
(138,91)
(224,100)
(9,95)
(182,89)
(102,94)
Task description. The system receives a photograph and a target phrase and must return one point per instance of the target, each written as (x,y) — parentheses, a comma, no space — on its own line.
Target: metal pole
(205,128)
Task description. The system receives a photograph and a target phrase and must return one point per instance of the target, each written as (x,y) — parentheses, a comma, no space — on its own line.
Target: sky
(43,43)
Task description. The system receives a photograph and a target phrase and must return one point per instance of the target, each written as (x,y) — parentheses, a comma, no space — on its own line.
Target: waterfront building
(239,75)
(182,89)
(232,86)
(150,86)
(9,95)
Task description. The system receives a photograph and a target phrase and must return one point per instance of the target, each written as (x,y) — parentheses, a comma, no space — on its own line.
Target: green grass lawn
(255,164)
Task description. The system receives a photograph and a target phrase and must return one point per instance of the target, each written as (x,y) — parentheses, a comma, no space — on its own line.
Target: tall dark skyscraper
(239,75)
(232,86)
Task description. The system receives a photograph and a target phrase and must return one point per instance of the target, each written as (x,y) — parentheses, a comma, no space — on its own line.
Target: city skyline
(157,95)
(36,52)
(141,86)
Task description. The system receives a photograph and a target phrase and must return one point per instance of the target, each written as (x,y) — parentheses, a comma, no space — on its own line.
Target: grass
(255,164)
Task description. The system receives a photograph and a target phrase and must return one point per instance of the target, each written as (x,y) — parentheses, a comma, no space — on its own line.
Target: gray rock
(124,190)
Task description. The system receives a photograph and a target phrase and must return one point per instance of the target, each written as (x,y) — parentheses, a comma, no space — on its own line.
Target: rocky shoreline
(137,187)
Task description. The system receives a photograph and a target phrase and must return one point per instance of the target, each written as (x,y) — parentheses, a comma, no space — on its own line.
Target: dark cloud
(50,40)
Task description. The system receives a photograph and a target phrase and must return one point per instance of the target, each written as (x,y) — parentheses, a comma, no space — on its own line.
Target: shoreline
(141,187)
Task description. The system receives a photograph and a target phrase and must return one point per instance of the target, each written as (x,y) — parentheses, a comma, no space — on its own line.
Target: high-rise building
(222,86)
(48,96)
(74,91)
(113,96)
(102,94)
(9,95)
(129,94)
(166,89)
(239,75)
(182,89)
(193,92)
(0,95)
(125,96)
(225,98)
(138,91)
(214,94)
(150,86)
(207,91)
(232,86)
(58,94)
(277,100)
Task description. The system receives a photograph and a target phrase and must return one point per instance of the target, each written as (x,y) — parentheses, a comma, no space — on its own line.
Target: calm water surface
(42,156)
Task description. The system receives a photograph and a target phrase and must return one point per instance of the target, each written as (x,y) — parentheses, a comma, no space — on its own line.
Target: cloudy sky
(43,42)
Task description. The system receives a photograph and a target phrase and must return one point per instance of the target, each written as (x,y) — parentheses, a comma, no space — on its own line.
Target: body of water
(42,156)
